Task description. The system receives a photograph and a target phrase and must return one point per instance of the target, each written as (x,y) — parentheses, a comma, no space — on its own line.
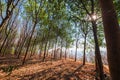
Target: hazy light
(94,17)
(91,18)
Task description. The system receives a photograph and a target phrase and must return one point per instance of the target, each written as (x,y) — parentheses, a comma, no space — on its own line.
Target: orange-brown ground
(34,69)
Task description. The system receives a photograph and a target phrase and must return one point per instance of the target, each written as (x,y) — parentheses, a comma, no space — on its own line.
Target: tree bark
(61,51)
(55,49)
(40,54)
(84,53)
(29,43)
(3,43)
(76,50)
(21,47)
(97,52)
(112,36)
(33,48)
(8,11)
(45,52)
(65,53)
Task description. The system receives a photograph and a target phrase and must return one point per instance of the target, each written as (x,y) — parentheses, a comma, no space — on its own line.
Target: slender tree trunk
(52,53)
(55,49)
(20,43)
(112,36)
(29,43)
(21,47)
(3,43)
(32,50)
(84,53)
(47,54)
(17,47)
(40,54)
(61,51)
(96,65)
(45,51)
(6,46)
(76,50)
(97,52)
(4,22)
(4,50)
(20,50)
(55,52)
(65,53)
(46,45)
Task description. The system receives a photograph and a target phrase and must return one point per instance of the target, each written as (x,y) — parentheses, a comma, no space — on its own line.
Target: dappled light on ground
(34,69)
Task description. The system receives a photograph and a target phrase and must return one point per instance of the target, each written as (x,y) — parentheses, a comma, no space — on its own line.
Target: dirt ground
(34,69)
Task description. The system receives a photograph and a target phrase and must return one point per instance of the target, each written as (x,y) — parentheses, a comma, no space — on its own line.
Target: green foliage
(8,69)
(117,7)
(62,20)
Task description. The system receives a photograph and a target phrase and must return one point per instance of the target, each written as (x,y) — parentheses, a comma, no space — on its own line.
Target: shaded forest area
(41,40)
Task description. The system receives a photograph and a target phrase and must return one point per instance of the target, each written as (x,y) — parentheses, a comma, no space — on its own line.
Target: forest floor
(34,69)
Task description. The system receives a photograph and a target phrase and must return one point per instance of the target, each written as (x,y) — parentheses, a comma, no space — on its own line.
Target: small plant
(8,69)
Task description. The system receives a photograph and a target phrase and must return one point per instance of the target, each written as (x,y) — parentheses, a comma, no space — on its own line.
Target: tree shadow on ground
(58,72)
(65,70)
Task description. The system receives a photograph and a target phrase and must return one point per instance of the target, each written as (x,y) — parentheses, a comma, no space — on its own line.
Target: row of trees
(44,26)
(32,25)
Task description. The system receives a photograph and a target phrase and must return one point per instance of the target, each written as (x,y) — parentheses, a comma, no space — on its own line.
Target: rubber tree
(77,38)
(85,29)
(90,11)
(112,36)
(36,14)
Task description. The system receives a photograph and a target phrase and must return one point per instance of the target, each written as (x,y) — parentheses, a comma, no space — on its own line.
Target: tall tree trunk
(84,53)
(7,35)
(52,52)
(97,52)
(65,53)
(29,43)
(112,36)
(17,47)
(3,43)
(21,47)
(44,55)
(33,47)
(4,22)
(76,50)
(96,65)
(32,51)
(61,51)
(52,55)
(55,49)
(40,54)
(6,46)
(47,54)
